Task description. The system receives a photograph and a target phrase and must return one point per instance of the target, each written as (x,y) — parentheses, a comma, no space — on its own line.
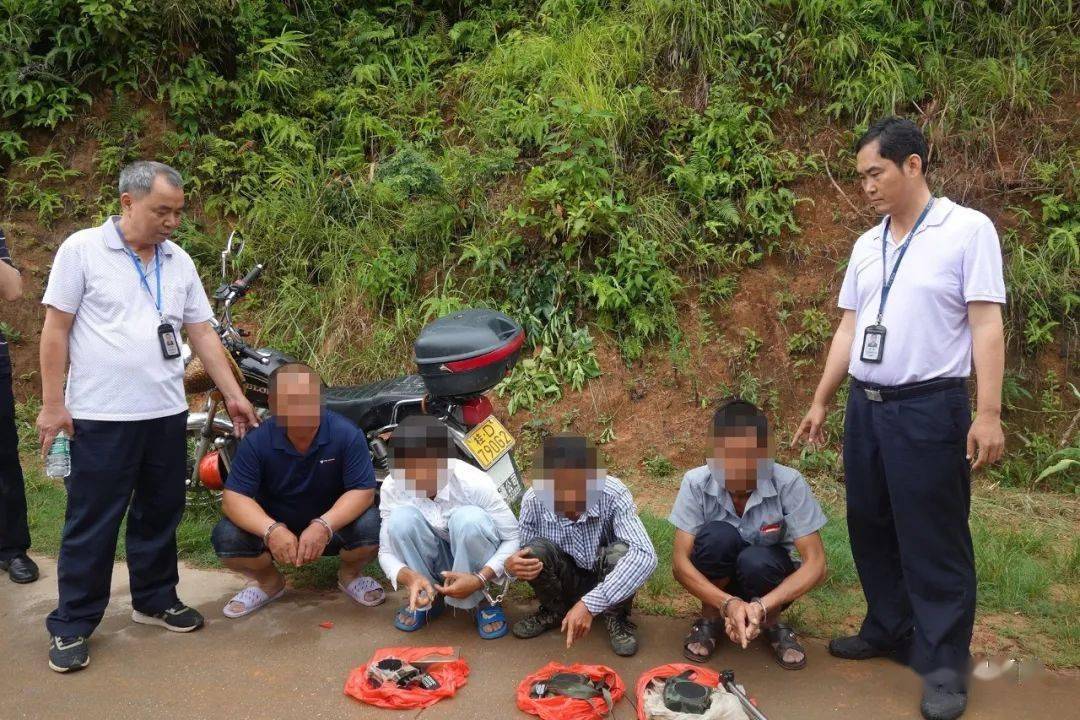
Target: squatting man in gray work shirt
(737,521)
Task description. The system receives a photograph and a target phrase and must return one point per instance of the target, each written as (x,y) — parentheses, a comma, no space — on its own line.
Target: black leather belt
(883,393)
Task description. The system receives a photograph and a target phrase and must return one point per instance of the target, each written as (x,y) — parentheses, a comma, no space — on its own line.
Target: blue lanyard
(138,269)
(886,286)
(142,276)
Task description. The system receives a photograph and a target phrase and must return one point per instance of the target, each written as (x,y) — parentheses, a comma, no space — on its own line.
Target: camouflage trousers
(562,583)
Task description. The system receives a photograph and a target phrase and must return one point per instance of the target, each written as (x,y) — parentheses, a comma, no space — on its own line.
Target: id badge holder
(873,344)
(170,346)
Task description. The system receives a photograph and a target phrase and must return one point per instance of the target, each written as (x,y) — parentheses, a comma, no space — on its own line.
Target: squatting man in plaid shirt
(583,547)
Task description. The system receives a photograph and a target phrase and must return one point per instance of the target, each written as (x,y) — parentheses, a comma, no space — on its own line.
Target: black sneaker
(623,634)
(68,653)
(536,624)
(941,703)
(178,618)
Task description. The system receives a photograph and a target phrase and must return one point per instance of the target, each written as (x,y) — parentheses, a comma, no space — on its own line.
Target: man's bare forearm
(245,513)
(988,347)
(697,584)
(11,282)
(53,356)
(351,505)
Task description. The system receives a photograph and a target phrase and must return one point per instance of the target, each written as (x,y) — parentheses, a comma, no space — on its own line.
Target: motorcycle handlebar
(251,354)
(251,277)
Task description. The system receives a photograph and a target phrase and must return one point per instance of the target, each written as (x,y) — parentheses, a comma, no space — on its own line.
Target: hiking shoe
(536,624)
(941,703)
(623,634)
(178,618)
(68,653)
(854,647)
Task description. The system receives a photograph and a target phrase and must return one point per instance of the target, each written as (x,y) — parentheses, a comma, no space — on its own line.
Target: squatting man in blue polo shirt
(921,301)
(301,486)
(737,520)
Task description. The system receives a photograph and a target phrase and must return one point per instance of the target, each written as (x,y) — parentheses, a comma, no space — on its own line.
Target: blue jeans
(473,540)
(230,541)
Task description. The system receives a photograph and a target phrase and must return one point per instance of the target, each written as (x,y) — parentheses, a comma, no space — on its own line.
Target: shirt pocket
(770,530)
(172,306)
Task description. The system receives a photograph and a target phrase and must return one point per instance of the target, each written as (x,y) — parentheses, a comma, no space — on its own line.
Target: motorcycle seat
(371,406)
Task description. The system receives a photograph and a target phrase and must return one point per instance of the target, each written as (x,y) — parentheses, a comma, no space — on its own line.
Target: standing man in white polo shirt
(117,298)
(921,298)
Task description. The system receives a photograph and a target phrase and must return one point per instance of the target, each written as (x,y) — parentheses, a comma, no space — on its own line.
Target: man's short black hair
(420,436)
(566,451)
(898,139)
(738,414)
(289,369)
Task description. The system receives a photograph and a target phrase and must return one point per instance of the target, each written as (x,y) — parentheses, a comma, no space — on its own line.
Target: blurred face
(297,400)
(152,218)
(565,489)
(424,475)
(888,186)
(739,457)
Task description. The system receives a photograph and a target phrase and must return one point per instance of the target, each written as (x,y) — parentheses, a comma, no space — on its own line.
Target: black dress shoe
(854,647)
(942,703)
(20,569)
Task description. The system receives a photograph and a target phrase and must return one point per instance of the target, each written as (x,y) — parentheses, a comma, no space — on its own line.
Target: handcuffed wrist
(326,525)
(269,529)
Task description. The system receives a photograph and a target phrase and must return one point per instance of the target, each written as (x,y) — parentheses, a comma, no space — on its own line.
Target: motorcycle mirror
(234,245)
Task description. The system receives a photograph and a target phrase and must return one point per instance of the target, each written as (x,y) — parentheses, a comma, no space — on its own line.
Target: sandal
(419,617)
(782,638)
(488,614)
(703,632)
(359,589)
(250,599)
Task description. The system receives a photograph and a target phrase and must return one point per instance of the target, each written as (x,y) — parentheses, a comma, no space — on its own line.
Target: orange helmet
(210,474)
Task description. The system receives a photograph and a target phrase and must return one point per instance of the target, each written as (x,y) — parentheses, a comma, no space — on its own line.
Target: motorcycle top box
(468,352)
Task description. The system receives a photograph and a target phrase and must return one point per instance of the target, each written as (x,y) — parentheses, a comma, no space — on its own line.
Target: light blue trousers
(473,540)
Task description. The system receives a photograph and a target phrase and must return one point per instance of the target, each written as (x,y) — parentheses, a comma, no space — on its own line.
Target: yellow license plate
(489,441)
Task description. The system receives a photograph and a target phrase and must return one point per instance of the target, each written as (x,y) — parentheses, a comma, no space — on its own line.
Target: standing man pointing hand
(117,298)
(921,298)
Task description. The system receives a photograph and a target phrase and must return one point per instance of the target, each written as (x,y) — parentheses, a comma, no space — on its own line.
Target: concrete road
(279,663)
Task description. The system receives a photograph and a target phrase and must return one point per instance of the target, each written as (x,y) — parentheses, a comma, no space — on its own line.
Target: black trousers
(136,467)
(562,583)
(14,532)
(908,497)
(720,553)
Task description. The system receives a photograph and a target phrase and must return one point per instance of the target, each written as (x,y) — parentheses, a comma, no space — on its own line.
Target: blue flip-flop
(488,615)
(420,616)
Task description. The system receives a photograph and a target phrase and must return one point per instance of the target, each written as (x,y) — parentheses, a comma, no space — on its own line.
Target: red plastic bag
(451,676)
(702,675)
(566,708)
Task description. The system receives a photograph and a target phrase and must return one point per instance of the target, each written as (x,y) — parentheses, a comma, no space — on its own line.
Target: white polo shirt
(953,259)
(117,371)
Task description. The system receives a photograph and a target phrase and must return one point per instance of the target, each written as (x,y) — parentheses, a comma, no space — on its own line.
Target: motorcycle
(460,358)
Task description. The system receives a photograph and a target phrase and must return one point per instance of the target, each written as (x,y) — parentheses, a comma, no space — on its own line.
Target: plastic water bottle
(58,461)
